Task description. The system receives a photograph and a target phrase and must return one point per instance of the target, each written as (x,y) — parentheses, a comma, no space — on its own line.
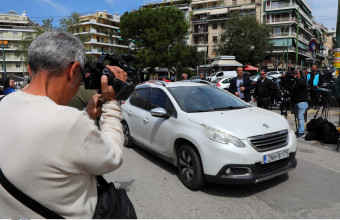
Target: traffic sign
(312,45)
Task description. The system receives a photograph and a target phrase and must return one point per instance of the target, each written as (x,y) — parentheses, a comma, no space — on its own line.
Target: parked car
(216,75)
(274,74)
(208,134)
(195,77)
(222,82)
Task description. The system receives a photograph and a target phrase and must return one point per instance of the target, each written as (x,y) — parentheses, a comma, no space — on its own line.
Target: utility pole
(297,39)
(337,42)
(3,58)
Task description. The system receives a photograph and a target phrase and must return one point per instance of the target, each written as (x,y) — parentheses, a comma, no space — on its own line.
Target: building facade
(102,33)
(290,20)
(13,26)
(208,18)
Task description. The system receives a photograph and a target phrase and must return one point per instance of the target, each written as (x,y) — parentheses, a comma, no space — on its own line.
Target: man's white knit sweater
(53,153)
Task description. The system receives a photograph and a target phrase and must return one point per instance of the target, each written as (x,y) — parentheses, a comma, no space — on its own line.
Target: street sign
(312,45)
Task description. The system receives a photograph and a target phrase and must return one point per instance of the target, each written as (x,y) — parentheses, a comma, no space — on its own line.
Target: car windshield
(205,99)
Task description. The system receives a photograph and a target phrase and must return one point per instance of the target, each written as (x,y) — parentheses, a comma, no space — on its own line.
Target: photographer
(263,91)
(52,152)
(299,98)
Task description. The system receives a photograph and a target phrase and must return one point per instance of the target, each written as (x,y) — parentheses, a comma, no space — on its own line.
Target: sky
(324,11)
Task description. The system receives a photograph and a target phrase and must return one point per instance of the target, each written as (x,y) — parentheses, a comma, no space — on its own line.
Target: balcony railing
(285,19)
(280,5)
(200,31)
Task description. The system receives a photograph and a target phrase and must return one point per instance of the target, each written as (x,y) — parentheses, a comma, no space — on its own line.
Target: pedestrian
(241,85)
(53,152)
(202,77)
(9,86)
(299,98)
(314,81)
(263,90)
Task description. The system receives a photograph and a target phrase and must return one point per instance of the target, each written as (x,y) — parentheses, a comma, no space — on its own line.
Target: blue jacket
(8,90)
(316,79)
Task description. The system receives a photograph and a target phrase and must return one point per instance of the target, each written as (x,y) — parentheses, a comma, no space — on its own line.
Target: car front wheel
(190,167)
(127,138)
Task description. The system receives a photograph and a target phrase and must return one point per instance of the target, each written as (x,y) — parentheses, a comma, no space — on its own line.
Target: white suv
(208,133)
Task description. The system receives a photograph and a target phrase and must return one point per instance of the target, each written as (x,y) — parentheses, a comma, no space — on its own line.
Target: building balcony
(286,6)
(280,20)
(205,31)
(201,43)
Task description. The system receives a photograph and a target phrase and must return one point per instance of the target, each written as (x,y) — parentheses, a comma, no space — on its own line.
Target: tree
(159,35)
(246,39)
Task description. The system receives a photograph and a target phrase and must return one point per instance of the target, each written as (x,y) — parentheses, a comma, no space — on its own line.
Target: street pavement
(309,191)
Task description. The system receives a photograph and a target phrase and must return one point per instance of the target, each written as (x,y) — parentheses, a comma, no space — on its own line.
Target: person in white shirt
(48,150)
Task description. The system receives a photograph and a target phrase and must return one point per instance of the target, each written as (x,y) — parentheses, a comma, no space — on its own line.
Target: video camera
(287,82)
(93,74)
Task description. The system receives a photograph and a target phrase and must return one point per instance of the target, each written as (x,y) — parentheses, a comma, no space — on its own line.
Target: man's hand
(237,93)
(108,93)
(242,89)
(94,107)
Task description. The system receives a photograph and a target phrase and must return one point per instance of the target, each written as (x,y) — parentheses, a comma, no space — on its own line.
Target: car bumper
(254,173)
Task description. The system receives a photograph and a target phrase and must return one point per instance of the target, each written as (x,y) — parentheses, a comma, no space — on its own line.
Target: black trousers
(263,103)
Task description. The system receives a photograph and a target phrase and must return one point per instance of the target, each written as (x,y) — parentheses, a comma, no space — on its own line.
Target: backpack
(330,134)
(322,130)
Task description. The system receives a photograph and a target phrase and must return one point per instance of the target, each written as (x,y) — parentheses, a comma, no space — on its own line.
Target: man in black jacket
(241,85)
(299,98)
(263,90)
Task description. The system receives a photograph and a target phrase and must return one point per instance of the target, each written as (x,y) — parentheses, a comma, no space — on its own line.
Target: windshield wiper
(230,107)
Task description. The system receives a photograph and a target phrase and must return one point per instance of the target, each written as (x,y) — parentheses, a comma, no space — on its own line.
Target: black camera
(93,74)
(287,82)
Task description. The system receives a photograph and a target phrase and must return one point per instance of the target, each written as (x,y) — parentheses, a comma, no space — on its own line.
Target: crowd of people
(304,91)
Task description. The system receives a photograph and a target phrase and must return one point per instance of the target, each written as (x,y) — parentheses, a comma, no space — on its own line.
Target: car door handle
(129,113)
(146,120)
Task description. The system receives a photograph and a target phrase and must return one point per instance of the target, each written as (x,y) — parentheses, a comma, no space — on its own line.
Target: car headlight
(221,137)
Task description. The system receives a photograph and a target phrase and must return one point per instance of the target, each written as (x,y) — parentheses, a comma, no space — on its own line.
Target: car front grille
(270,141)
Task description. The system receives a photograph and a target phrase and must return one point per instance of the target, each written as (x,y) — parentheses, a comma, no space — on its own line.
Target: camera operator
(299,98)
(314,81)
(53,152)
(263,90)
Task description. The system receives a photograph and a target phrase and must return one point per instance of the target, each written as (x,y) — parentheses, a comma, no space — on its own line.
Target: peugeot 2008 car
(208,134)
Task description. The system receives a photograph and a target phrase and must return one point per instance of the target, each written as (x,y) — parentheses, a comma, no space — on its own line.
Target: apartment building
(12,28)
(209,17)
(103,35)
(329,47)
(286,17)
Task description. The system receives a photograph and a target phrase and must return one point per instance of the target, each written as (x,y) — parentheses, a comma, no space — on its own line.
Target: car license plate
(275,156)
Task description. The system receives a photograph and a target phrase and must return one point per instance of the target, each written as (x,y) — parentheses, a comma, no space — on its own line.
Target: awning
(196,2)
(219,11)
(249,67)
(198,12)
(225,63)
(301,45)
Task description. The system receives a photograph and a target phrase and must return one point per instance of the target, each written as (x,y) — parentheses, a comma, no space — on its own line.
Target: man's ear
(74,73)
(29,70)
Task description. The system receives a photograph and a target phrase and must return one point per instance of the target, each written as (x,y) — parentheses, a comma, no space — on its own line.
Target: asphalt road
(309,191)
(312,190)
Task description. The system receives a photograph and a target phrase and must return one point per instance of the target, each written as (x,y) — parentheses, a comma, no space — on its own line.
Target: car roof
(157,84)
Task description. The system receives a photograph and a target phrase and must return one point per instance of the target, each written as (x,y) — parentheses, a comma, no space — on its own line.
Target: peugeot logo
(266,126)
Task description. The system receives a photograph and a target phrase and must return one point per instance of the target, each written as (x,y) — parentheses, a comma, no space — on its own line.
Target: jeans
(299,111)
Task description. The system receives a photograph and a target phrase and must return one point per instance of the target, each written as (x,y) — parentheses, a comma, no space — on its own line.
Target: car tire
(190,169)
(127,138)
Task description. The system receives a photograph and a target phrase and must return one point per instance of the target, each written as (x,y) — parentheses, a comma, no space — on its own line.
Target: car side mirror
(159,112)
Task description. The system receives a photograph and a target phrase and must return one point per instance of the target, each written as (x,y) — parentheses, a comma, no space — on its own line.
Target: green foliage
(159,35)
(246,39)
